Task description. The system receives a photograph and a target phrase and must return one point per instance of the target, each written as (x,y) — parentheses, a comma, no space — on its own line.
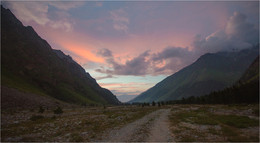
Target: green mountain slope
(31,65)
(252,73)
(209,73)
(246,90)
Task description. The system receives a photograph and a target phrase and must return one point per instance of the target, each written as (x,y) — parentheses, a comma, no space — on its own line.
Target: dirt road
(153,127)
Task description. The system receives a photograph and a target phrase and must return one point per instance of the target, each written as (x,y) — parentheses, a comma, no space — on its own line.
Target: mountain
(212,71)
(246,90)
(30,65)
(126,98)
(252,73)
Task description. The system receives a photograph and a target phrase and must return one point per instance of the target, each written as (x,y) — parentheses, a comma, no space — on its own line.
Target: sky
(128,47)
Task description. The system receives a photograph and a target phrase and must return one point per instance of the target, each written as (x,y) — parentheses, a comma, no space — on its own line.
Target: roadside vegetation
(188,122)
(203,123)
(67,125)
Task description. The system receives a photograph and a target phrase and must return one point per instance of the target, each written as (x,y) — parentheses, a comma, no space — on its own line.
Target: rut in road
(152,127)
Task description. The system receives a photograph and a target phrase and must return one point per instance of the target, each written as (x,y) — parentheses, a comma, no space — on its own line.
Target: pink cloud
(38,13)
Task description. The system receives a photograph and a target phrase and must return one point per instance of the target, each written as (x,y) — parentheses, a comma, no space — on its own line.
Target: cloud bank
(38,12)
(238,34)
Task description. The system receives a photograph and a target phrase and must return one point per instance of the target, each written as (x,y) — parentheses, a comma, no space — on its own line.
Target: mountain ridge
(30,64)
(212,71)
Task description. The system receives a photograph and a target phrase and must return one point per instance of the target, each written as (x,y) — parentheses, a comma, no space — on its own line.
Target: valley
(134,123)
(124,86)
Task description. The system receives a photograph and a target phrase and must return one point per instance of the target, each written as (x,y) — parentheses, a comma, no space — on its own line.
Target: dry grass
(78,124)
(204,123)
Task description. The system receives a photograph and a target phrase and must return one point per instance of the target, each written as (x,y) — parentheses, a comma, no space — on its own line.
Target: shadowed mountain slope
(246,90)
(31,65)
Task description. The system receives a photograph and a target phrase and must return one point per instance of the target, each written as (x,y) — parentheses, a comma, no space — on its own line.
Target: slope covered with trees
(246,90)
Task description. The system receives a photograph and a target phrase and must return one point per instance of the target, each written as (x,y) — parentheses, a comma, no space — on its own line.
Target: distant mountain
(211,72)
(126,98)
(31,65)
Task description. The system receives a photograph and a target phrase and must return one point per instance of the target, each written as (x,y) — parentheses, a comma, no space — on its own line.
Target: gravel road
(153,127)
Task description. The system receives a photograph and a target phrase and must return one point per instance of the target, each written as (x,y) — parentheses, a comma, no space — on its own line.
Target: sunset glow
(130,46)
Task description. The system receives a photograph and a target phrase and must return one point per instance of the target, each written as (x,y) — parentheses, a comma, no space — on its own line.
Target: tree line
(236,94)
(241,93)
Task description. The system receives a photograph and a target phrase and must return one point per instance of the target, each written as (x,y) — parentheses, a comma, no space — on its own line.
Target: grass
(36,117)
(202,123)
(205,120)
(197,116)
(11,80)
(213,131)
(204,117)
(73,122)
(256,111)
(75,137)
(233,135)
(26,128)
(237,121)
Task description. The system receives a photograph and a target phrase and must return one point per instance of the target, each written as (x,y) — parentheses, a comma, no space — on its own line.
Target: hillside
(246,90)
(30,65)
(213,71)
(252,73)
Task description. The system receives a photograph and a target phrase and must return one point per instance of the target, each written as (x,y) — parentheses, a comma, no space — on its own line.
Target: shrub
(58,111)
(41,110)
(36,117)
(53,117)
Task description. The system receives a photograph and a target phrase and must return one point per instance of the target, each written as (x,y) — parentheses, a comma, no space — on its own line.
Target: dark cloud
(238,34)
(171,52)
(239,29)
(136,66)
(172,59)
(104,53)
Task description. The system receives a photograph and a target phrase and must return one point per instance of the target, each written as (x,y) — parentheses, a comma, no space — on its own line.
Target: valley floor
(134,123)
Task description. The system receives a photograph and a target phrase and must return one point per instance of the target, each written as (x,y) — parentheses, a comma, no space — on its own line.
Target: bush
(41,110)
(36,117)
(53,117)
(58,111)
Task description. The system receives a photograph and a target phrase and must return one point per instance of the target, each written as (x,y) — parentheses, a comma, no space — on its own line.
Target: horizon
(128,47)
